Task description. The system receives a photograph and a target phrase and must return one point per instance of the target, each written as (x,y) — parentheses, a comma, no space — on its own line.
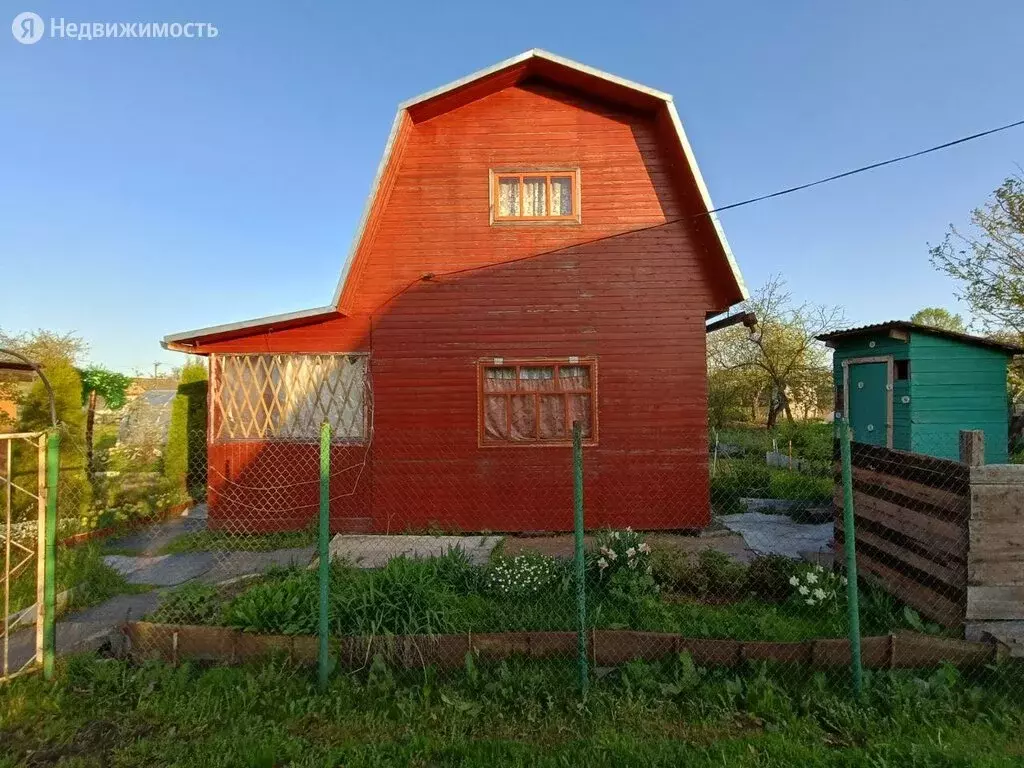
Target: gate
(22,543)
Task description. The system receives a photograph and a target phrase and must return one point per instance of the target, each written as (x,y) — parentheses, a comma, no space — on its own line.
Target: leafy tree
(937,317)
(782,351)
(185,454)
(112,387)
(988,258)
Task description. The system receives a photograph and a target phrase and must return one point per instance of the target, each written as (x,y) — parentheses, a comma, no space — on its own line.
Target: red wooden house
(536,250)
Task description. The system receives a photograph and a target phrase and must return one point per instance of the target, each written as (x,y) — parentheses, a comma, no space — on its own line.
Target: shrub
(185,455)
(768,576)
(455,571)
(192,603)
(74,493)
(726,579)
(784,484)
(285,605)
(522,575)
(714,575)
(737,479)
(674,571)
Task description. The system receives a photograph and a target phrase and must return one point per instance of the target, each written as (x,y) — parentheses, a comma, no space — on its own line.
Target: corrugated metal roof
(906,325)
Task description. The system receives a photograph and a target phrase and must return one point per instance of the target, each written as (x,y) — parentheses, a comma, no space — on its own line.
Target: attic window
(535,196)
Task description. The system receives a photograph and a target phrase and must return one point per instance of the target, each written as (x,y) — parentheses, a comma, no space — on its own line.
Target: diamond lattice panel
(287,397)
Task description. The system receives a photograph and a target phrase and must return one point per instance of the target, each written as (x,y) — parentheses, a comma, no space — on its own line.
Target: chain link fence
(727,547)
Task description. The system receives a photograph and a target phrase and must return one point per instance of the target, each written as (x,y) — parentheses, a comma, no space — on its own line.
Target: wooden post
(972,447)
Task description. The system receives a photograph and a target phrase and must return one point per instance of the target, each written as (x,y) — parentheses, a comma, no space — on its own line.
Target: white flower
(809,601)
(644,547)
(794,581)
(803,590)
(615,534)
(819,593)
(843,581)
(611,554)
(631,552)
(629,529)
(812,578)
(604,550)
(602,563)
(632,563)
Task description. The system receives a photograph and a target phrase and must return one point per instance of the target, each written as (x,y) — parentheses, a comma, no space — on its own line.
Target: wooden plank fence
(912,515)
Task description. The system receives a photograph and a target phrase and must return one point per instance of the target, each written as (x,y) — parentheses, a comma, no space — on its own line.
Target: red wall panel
(629,285)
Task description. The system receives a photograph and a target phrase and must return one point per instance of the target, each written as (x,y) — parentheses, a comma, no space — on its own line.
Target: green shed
(913,387)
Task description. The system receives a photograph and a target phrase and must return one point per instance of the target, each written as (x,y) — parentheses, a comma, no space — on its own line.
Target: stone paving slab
(376,551)
(162,570)
(84,630)
(231,565)
(778,534)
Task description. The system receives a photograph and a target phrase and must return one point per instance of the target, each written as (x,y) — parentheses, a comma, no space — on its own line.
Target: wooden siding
(955,386)
(435,288)
(911,520)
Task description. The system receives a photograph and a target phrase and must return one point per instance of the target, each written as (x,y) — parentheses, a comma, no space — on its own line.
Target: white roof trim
(386,157)
(706,197)
(176,338)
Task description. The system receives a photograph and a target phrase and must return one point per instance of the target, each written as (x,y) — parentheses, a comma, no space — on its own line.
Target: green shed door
(869,402)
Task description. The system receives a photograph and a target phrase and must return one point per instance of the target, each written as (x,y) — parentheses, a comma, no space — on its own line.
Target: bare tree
(783,349)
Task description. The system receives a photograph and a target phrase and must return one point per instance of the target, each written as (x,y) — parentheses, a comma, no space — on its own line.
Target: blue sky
(151,186)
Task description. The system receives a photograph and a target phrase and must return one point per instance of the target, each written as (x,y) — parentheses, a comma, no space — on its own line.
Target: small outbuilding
(914,387)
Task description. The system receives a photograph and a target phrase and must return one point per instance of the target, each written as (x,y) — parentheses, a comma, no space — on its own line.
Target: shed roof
(532,64)
(905,325)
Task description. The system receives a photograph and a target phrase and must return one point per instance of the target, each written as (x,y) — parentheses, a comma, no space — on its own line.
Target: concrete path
(209,567)
(231,565)
(84,630)
(162,570)
(778,534)
(153,538)
(376,551)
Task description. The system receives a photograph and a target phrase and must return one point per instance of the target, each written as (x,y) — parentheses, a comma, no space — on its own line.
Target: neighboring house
(537,249)
(142,384)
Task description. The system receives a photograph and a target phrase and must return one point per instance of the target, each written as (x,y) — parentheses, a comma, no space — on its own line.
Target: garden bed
(903,650)
(629,586)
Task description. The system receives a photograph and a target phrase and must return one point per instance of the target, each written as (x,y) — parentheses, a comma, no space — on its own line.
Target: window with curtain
(536,196)
(536,402)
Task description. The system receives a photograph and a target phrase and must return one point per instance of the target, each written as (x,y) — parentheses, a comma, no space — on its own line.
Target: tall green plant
(74,493)
(185,454)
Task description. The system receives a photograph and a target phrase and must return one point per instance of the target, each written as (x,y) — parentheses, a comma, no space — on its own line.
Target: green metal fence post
(50,553)
(581,569)
(323,540)
(850,546)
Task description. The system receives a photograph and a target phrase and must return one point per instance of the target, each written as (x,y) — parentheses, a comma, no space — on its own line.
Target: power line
(863,168)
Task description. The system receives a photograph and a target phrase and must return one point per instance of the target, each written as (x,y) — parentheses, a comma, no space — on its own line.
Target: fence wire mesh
(727,547)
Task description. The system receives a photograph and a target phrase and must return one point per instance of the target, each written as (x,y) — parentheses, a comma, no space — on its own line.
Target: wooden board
(988,603)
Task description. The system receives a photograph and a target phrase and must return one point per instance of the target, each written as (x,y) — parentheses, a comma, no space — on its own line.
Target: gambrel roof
(533,64)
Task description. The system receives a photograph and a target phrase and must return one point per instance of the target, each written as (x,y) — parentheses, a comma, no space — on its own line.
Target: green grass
(449,595)
(211,541)
(81,568)
(105,712)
